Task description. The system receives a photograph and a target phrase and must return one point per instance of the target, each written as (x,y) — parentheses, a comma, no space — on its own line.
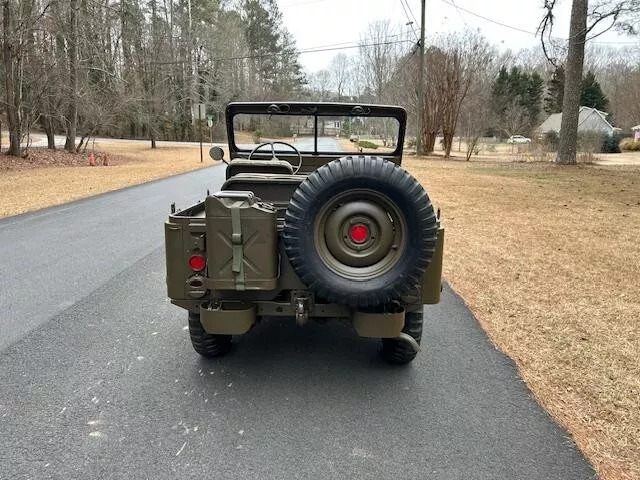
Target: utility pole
(420,103)
(200,127)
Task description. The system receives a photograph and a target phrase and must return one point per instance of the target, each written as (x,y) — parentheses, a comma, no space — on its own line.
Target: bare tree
(19,20)
(355,84)
(466,55)
(476,116)
(12,61)
(320,84)
(432,114)
(339,70)
(72,97)
(379,56)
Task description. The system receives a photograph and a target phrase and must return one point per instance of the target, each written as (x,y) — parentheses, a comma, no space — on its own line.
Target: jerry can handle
(237,195)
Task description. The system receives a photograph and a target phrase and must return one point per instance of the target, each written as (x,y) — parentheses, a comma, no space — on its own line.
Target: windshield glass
(335,134)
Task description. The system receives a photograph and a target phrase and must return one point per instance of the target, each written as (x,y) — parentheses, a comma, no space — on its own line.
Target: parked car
(518,139)
(354,138)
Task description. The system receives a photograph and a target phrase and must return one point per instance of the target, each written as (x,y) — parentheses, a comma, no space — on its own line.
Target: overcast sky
(320,23)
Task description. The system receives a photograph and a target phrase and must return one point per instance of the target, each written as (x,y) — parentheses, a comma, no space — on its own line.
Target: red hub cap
(359,233)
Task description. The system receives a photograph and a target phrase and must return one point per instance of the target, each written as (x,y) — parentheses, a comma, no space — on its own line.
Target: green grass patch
(367,144)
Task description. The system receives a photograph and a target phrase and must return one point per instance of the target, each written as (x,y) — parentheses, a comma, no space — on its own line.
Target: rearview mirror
(216,153)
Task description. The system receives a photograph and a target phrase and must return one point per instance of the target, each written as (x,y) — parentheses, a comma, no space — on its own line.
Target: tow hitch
(302,302)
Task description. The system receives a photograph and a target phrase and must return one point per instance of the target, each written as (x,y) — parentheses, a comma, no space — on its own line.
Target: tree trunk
(428,142)
(10,84)
(448,143)
(572,86)
(471,146)
(47,126)
(72,112)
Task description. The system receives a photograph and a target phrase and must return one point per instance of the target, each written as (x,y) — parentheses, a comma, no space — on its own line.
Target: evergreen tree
(532,99)
(275,59)
(592,95)
(555,92)
(516,98)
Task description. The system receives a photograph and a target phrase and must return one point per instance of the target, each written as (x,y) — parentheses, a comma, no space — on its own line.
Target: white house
(589,120)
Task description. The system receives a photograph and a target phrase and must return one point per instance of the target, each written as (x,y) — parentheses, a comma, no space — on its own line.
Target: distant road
(304,144)
(325,144)
(40,140)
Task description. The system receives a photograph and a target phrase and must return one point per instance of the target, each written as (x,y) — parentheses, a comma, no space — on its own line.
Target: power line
(299,52)
(522,30)
(491,20)
(410,22)
(460,13)
(360,45)
(411,11)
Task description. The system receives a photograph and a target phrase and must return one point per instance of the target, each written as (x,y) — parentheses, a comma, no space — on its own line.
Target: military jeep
(309,224)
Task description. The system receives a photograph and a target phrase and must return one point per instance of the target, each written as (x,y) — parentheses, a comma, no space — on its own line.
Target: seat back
(242,165)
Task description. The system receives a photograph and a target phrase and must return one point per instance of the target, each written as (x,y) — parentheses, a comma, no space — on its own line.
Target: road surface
(303,144)
(98,379)
(40,140)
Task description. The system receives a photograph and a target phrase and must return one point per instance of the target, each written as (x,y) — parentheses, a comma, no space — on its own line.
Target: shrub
(257,135)
(631,145)
(367,144)
(611,144)
(586,158)
(550,140)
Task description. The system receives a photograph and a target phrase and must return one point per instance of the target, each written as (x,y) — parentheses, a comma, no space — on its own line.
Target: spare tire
(360,231)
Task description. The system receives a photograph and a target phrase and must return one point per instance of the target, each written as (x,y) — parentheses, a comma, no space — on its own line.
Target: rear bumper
(235,318)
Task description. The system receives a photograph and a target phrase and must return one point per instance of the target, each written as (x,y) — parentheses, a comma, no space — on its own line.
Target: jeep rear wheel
(400,352)
(360,231)
(207,344)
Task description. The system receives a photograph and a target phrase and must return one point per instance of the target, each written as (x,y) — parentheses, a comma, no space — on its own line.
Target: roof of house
(588,119)
(637,127)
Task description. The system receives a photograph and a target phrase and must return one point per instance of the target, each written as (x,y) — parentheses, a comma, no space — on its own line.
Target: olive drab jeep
(309,224)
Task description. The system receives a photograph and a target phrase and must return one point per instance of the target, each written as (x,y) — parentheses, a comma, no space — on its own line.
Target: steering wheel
(273,153)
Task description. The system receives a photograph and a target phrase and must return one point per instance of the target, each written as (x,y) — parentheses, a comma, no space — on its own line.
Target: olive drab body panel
(242,242)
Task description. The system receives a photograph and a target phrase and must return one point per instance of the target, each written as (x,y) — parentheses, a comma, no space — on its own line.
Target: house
(589,120)
(327,126)
(636,132)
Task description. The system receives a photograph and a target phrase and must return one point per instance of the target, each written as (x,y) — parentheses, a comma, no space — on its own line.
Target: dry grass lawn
(548,258)
(23,190)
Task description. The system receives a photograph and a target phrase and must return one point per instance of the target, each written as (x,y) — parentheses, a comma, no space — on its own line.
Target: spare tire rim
(360,234)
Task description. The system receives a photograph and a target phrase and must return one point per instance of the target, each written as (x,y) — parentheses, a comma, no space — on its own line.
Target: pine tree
(516,100)
(592,95)
(533,97)
(555,92)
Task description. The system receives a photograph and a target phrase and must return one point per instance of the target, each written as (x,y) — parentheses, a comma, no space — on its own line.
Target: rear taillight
(197,263)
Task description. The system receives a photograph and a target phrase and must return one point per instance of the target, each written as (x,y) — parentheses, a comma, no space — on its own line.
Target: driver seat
(242,165)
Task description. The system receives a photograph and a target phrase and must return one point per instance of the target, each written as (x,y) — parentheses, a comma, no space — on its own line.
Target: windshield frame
(315,110)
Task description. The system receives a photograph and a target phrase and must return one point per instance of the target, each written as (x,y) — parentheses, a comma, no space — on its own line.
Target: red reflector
(359,233)
(197,263)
